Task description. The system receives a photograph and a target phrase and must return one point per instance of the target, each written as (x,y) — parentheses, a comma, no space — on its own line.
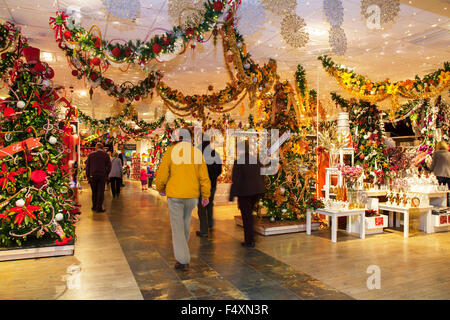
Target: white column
(406,224)
(308,222)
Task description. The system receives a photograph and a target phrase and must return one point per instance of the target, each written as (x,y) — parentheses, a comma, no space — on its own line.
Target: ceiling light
(82,93)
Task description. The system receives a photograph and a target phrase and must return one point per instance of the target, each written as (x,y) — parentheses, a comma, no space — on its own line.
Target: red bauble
(189,32)
(218,5)
(74,73)
(3,56)
(137,98)
(109,81)
(8,112)
(361,156)
(67,34)
(127,53)
(94,76)
(167,40)
(96,61)
(50,73)
(116,52)
(38,176)
(156,48)
(121,99)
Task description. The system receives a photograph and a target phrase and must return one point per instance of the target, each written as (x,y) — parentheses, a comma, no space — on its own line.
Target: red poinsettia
(6,176)
(25,211)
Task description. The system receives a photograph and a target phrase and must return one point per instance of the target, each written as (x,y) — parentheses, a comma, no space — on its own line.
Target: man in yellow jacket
(183,177)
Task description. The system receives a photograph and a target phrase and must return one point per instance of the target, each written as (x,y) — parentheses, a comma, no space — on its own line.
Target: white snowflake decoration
(122,9)
(251,16)
(338,41)
(334,11)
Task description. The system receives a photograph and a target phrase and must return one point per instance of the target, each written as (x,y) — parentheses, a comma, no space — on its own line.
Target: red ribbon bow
(58,24)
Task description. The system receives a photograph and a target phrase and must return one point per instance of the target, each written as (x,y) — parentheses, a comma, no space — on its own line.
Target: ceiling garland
(363,88)
(91,56)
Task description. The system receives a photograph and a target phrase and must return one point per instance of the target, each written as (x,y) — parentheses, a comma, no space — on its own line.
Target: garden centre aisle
(126,253)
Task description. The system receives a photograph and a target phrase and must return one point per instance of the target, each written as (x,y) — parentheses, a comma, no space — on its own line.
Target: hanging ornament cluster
(279,7)
(293,30)
(122,9)
(186,13)
(334,12)
(387,9)
(251,16)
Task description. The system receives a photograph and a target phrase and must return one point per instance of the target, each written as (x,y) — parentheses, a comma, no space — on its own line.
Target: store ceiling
(417,42)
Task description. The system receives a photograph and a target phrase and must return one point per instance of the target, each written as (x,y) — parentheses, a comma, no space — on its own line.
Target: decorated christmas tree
(288,191)
(34,178)
(368,136)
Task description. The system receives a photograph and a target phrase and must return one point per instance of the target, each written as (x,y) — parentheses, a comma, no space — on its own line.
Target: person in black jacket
(248,186)
(214,165)
(98,166)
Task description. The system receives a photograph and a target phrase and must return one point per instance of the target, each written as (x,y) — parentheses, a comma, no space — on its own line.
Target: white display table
(334,214)
(392,209)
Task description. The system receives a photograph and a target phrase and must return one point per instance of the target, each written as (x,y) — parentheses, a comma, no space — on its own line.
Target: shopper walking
(150,175)
(115,176)
(98,166)
(248,186)
(143,177)
(108,182)
(123,159)
(214,166)
(183,180)
(440,165)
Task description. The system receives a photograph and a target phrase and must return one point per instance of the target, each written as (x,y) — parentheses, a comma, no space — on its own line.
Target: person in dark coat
(123,159)
(248,186)
(214,165)
(98,166)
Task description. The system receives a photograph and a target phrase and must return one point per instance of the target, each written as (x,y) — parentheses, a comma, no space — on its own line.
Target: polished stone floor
(126,253)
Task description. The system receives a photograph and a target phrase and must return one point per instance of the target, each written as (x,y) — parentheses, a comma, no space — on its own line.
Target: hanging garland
(139,51)
(251,79)
(362,88)
(10,41)
(112,123)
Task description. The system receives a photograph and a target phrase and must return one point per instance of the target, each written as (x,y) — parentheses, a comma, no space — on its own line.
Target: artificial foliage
(431,124)
(10,40)
(118,123)
(368,136)
(90,55)
(365,89)
(35,192)
(288,192)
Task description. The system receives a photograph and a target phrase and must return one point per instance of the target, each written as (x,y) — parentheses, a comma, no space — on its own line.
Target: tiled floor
(220,267)
(126,253)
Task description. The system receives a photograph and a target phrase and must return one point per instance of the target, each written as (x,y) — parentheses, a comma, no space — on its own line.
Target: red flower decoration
(74,73)
(96,61)
(6,176)
(218,5)
(94,76)
(51,168)
(38,176)
(361,156)
(98,42)
(22,212)
(127,52)
(8,112)
(156,48)
(116,52)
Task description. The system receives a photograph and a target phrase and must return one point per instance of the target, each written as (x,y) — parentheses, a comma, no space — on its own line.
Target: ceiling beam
(434,6)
